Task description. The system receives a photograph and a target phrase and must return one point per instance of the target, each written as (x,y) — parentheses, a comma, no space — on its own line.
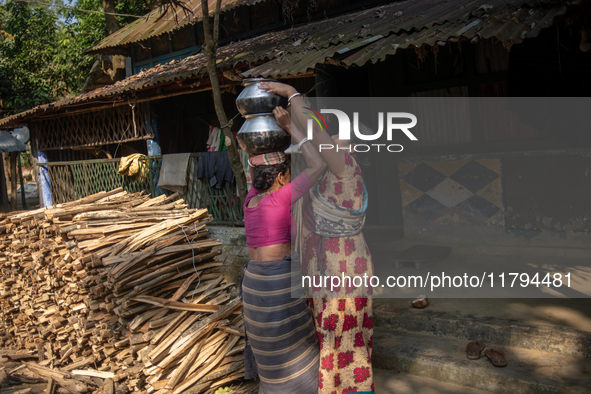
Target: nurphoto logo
(345,124)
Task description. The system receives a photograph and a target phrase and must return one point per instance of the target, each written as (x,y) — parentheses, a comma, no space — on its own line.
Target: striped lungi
(282,345)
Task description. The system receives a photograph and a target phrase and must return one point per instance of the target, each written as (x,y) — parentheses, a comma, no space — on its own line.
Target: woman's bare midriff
(270,253)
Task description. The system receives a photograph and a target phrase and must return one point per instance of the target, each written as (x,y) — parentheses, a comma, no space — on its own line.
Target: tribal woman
(282,347)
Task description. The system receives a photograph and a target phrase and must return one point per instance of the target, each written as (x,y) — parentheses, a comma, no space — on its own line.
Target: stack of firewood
(122,287)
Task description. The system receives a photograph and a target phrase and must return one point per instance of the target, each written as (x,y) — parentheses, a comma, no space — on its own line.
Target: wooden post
(20,176)
(35,160)
(3,185)
(43,183)
(13,181)
(86,180)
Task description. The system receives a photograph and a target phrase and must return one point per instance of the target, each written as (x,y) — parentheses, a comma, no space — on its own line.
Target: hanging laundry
(244,161)
(130,166)
(173,172)
(215,168)
(213,143)
(222,143)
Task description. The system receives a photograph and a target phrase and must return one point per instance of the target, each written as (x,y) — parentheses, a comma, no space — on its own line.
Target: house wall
(496,176)
(534,191)
(441,190)
(234,250)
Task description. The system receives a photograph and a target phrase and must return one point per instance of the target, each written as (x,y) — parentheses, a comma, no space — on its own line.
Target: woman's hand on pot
(281,89)
(283,118)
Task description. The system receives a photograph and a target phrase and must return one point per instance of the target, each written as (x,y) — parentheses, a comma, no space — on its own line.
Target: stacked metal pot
(260,132)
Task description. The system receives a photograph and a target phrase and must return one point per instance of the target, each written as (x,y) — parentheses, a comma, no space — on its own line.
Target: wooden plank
(179,306)
(92,372)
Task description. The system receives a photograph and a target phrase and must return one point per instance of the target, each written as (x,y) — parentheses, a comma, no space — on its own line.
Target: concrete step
(388,381)
(468,247)
(444,359)
(494,241)
(553,339)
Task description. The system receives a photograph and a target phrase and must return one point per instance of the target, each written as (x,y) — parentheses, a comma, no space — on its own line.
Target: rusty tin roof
(146,27)
(352,39)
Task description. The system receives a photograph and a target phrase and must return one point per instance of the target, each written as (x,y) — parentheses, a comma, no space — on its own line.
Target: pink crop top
(269,223)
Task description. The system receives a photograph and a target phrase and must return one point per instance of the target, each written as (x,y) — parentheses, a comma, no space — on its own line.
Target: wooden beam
(3,184)
(13,185)
(137,101)
(20,177)
(186,83)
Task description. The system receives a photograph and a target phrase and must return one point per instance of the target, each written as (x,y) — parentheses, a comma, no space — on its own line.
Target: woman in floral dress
(333,245)
(344,321)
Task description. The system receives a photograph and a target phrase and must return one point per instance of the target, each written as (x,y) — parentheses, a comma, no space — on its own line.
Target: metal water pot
(261,133)
(253,100)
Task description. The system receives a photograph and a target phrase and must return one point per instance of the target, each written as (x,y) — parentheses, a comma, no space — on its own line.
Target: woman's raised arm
(315,165)
(334,159)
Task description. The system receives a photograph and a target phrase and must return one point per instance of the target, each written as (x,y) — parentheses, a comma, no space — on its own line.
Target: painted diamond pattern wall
(452,191)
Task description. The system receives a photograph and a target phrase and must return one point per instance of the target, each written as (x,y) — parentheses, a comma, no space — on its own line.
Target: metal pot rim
(261,114)
(249,81)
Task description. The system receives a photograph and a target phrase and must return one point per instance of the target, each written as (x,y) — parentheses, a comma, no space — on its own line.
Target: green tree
(40,60)
(40,49)
(92,27)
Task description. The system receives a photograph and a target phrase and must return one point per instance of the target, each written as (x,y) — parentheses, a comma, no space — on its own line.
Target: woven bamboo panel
(62,184)
(222,203)
(150,166)
(115,125)
(74,180)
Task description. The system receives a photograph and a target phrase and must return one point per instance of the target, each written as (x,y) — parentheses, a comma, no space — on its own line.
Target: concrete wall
(234,250)
(521,191)
(548,193)
(442,190)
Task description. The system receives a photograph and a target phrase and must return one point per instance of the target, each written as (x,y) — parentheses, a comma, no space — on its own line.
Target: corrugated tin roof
(145,28)
(10,144)
(353,39)
(375,33)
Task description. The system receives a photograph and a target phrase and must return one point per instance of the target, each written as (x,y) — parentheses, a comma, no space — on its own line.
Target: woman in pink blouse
(282,347)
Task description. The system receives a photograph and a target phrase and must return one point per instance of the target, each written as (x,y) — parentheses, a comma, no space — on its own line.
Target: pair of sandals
(495,355)
(474,348)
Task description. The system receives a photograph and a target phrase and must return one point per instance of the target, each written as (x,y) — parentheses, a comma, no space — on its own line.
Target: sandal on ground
(420,302)
(474,348)
(496,356)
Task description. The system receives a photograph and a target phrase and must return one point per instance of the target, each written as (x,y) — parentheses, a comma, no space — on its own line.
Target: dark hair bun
(264,176)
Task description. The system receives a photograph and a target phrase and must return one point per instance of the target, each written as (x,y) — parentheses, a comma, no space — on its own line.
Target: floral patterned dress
(344,325)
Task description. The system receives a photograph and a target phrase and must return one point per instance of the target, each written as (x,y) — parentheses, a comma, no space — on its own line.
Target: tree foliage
(40,54)
(92,27)
(40,62)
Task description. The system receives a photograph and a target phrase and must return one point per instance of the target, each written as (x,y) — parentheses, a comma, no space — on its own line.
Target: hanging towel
(173,172)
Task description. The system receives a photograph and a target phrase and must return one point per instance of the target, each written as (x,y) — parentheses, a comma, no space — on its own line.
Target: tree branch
(216,22)
(209,50)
